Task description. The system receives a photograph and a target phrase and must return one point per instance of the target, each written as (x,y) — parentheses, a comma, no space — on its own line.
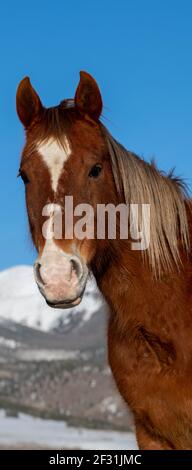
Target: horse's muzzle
(61,279)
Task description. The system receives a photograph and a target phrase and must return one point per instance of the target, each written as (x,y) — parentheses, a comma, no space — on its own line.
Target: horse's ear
(27,102)
(88,97)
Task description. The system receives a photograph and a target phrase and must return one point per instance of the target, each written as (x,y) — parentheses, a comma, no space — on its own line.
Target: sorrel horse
(68,151)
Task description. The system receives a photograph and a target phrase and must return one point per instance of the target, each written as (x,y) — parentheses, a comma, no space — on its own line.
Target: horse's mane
(143,183)
(140,183)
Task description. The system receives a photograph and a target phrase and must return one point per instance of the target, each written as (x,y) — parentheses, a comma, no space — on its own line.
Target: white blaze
(54,155)
(52,254)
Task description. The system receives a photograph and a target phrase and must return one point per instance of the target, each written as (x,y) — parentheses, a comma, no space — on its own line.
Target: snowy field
(29,432)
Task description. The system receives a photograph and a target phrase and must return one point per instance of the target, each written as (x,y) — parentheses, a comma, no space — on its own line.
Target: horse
(69,152)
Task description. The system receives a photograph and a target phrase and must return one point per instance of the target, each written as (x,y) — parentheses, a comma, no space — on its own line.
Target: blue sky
(139,51)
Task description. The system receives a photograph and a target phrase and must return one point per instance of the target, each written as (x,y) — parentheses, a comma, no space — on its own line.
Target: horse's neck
(120,273)
(136,297)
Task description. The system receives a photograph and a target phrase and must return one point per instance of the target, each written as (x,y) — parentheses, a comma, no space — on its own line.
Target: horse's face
(65,155)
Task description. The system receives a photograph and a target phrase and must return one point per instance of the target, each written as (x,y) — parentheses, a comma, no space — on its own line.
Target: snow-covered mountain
(21,302)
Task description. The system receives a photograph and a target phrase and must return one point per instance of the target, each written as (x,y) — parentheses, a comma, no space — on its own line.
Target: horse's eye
(23,176)
(95,171)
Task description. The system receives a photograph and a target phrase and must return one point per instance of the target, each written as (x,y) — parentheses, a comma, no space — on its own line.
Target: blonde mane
(143,183)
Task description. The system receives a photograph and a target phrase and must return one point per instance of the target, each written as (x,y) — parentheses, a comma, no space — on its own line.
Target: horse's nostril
(77,267)
(37,274)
